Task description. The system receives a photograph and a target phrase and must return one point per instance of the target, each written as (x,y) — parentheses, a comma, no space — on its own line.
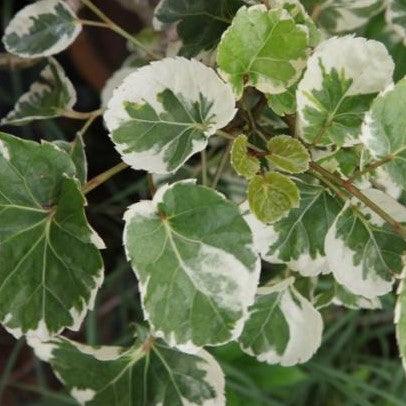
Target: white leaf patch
(304,324)
(188,81)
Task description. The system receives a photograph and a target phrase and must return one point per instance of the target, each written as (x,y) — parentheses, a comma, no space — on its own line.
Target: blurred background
(358,363)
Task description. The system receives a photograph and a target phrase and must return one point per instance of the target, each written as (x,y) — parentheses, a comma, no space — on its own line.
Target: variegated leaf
(283,327)
(338,87)
(50,96)
(43,28)
(192,253)
(50,265)
(165,112)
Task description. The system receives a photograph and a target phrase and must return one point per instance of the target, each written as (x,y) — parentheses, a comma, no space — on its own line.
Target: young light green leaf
(50,96)
(300,15)
(339,16)
(287,154)
(338,88)
(298,239)
(283,326)
(165,112)
(76,151)
(50,265)
(43,28)
(148,373)
(192,253)
(284,103)
(271,196)
(200,22)
(363,252)
(262,48)
(396,17)
(384,131)
(244,164)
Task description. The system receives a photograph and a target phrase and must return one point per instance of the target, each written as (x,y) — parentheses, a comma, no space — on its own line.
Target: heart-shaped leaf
(50,265)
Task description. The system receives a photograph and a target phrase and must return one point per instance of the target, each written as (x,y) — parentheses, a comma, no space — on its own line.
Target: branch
(372,166)
(108,23)
(103,177)
(353,190)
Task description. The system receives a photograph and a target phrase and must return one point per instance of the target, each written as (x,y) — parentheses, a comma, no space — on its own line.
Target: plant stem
(116,28)
(79,115)
(103,177)
(151,185)
(86,126)
(221,165)
(92,23)
(204,167)
(371,167)
(353,190)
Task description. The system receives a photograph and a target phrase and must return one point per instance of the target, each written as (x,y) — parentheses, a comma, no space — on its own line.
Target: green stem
(116,28)
(203,156)
(79,115)
(103,177)
(353,190)
(86,126)
(222,165)
(371,167)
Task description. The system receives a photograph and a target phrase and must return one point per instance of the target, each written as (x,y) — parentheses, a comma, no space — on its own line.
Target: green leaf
(50,265)
(334,94)
(283,327)
(262,48)
(200,22)
(50,96)
(347,15)
(271,196)
(148,373)
(165,112)
(76,151)
(244,164)
(192,253)
(396,17)
(298,239)
(284,103)
(363,252)
(287,154)
(43,28)
(384,131)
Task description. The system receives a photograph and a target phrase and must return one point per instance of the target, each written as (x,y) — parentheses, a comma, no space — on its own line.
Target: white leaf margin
(188,78)
(390,14)
(247,280)
(305,326)
(22,22)
(37,88)
(366,62)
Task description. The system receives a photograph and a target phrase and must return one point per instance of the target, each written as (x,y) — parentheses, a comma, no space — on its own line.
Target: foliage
(313,127)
